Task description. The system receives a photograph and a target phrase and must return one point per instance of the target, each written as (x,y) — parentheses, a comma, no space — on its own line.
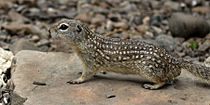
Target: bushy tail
(198,70)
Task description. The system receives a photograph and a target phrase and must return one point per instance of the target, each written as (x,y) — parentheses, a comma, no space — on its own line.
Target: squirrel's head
(72,30)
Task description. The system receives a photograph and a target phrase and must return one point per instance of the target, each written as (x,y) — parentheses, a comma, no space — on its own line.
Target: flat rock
(56,68)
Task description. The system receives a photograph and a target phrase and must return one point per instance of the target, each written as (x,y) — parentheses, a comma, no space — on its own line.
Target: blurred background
(179,26)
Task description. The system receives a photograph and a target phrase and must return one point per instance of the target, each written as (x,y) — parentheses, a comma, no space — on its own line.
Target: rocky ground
(180,26)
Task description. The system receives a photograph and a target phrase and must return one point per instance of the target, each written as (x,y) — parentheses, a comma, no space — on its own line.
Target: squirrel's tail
(198,70)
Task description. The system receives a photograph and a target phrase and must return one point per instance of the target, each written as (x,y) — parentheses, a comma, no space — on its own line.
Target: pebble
(98,19)
(22,44)
(207,62)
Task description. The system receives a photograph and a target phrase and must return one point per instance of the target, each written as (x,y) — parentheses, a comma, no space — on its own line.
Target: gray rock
(17,100)
(55,69)
(187,26)
(207,62)
(167,42)
(155,4)
(172,5)
(22,44)
(98,19)
(205,46)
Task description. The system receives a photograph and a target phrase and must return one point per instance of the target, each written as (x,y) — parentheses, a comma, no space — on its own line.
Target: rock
(6,83)
(202,10)
(109,25)
(4,45)
(22,44)
(22,29)
(43,42)
(155,4)
(5,63)
(17,100)
(167,42)
(114,17)
(16,17)
(55,69)
(6,4)
(135,19)
(126,6)
(85,17)
(98,19)
(63,1)
(205,46)
(172,5)
(148,35)
(156,20)
(193,3)
(122,25)
(35,38)
(187,26)
(207,62)
(146,20)
(157,30)
(142,29)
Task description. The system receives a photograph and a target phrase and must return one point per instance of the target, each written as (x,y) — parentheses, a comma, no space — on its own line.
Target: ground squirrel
(100,53)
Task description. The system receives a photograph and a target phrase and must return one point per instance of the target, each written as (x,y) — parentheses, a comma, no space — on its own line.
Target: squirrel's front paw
(76,81)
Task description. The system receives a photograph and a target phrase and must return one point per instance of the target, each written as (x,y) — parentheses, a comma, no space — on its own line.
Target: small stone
(207,62)
(22,44)
(85,17)
(146,20)
(171,4)
(149,35)
(202,10)
(98,19)
(205,46)
(43,42)
(6,59)
(122,25)
(157,30)
(126,6)
(109,25)
(23,29)
(156,20)
(142,29)
(14,16)
(114,17)
(63,1)
(155,4)
(35,38)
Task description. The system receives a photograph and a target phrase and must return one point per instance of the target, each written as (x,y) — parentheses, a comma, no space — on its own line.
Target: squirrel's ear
(79,28)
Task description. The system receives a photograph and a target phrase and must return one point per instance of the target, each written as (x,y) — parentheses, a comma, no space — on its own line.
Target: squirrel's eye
(63,26)
(79,29)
